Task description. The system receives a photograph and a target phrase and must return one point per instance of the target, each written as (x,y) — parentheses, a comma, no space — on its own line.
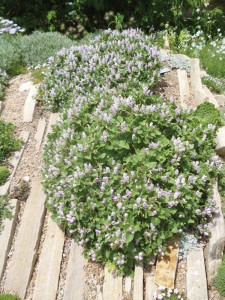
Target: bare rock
(220,147)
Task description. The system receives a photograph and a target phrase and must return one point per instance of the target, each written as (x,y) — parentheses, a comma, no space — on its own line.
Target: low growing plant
(5,210)
(220,278)
(168,294)
(4,174)
(124,174)
(7,141)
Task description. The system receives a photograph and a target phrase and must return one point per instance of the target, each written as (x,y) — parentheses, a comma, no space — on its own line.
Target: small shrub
(17,53)
(7,141)
(5,210)
(124,174)
(220,278)
(4,174)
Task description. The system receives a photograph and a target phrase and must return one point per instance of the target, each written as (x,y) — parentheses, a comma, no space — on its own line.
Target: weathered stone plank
(7,234)
(127,285)
(215,246)
(26,86)
(183,87)
(75,277)
(26,245)
(30,105)
(220,139)
(209,96)
(53,119)
(40,132)
(196,83)
(138,283)
(112,287)
(14,162)
(49,266)
(150,287)
(196,276)
(166,266)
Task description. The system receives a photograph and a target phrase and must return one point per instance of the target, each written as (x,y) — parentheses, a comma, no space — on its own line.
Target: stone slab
(7,234)
(75,277)
(196,276)
(166,266)
(26,86)
(220,142)
(112,286)
(150,287)
(183,87)
(127,285)
(29,105)
(196,83)
(53,119)
(138,283)
(215,246)
(49,265)
(220,99)
(26,245)
(209,96)
(39,135)
(14,161)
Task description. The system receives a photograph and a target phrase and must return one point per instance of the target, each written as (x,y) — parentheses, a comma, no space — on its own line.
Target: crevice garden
(112,161)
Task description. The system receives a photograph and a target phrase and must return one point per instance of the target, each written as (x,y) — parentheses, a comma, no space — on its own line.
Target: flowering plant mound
(7,26)
(112,61)
(166,294)
(123,174)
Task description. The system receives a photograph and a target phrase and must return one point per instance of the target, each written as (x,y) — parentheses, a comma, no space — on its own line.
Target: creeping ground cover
(125,169)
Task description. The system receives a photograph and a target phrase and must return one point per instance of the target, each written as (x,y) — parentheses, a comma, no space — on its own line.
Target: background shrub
(17,53)
(8,297)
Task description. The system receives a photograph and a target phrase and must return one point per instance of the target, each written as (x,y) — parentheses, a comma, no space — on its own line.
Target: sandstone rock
(30,105)
(196,83)
(209,97)
(183,87)
(166,266)
(150,287)
(26,86)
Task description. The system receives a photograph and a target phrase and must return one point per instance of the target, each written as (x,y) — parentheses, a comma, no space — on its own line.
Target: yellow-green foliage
(8,297)
(220,278)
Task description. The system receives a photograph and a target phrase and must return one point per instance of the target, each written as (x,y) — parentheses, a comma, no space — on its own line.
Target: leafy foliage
(4,174)
(5,211)
(125,170)
(7,141)
(220,278)
(3,82)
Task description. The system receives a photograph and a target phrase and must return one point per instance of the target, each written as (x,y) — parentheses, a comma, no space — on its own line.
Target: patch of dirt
(180,281)
(94,273)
